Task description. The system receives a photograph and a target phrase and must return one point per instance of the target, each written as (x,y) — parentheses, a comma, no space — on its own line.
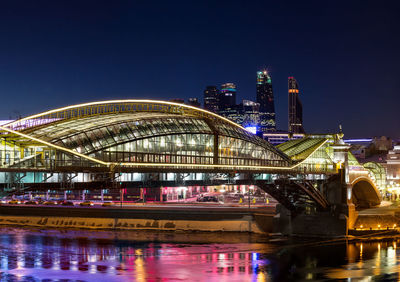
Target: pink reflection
(110,259)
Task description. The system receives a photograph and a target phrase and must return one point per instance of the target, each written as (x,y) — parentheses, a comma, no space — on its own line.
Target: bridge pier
(334,221)
(319,224)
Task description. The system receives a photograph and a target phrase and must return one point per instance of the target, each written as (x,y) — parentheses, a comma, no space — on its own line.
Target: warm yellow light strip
(53,146)
(122,102)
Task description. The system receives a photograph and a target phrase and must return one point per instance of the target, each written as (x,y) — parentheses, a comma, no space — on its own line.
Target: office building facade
(265,98)
(295,110)
(227,96)
(211,99)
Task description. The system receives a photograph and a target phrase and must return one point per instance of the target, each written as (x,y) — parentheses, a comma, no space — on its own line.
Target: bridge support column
(332,222)
(282,222)
(339,196)
(345,208)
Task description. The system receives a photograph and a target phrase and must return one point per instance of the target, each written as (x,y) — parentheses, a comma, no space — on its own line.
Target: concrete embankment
(168,218)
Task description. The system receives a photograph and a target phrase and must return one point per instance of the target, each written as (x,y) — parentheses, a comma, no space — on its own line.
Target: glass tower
(227,97)
(295,107)
(211,99)
(265,97)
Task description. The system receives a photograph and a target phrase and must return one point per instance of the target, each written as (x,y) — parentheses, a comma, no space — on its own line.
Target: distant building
(211,99)
(246,114)
(178,100)
(265,97)
(194,102)
(295,107)
(382,143)
(251,115)
(234,113)
(361,151)
(227,96)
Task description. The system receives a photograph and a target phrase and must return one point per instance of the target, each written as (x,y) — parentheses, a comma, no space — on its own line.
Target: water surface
(73,255)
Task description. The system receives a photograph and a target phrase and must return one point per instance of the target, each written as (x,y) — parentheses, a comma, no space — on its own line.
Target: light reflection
(152,262)
(94,260)
(130,260)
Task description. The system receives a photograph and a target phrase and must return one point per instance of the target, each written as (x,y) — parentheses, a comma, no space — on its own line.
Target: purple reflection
(34,256)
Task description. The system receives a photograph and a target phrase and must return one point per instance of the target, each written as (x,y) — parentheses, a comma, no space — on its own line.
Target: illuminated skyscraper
(251,115)
(227,97)
(265,97)
(211,99)
(295,107)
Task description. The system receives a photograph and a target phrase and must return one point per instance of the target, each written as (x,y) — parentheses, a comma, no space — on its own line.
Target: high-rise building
(227,96)
(234,113)
(265,97)
(211,99)
(295,107)
(251,115)
(194,102)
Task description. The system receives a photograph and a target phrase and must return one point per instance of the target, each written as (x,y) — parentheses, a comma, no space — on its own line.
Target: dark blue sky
(344,54)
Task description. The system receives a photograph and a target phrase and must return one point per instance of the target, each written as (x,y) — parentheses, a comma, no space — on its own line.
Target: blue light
(358,140)
(251,129)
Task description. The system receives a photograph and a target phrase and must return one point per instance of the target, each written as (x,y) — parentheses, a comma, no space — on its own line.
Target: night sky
(345,55)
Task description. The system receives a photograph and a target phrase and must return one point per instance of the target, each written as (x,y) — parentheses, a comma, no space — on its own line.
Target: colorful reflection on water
(34,255)
(29,255)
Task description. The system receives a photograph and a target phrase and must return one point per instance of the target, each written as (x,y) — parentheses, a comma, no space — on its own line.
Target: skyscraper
(265,97)
(295,107)
(251,115)
(227,97)
(211,99)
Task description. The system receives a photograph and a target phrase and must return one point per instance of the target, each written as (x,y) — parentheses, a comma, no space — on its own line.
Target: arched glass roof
(145,131)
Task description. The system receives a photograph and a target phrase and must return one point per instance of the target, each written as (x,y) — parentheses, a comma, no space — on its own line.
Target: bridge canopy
(136,134)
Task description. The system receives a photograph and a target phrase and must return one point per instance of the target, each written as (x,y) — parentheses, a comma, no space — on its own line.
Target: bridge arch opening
(365,194)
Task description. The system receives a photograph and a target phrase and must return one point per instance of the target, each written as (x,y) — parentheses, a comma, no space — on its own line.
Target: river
(80,255)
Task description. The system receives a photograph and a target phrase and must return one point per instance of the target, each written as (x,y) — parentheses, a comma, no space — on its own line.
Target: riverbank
(140,218)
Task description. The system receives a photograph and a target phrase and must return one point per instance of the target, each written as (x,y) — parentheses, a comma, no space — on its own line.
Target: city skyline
(344,55)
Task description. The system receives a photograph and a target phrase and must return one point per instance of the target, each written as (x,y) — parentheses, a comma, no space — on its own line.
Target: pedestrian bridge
(126,137)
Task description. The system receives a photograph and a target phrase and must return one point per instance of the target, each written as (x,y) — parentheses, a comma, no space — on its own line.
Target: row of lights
(361,227)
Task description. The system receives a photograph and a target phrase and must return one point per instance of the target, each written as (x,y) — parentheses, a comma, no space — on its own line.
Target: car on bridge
(207,198)
(49,203)
(31,202)
(86,204)
(15,202)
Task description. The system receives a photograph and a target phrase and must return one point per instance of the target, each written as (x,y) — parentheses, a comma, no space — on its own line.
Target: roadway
(134,209)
